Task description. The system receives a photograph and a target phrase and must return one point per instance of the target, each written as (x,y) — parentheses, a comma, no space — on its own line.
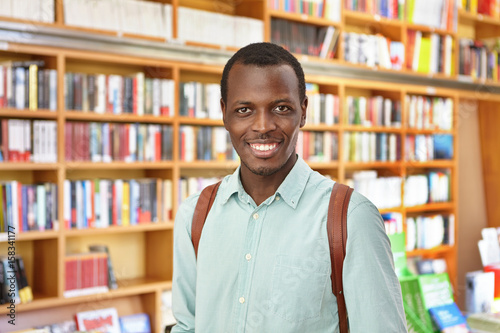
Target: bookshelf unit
(142,254)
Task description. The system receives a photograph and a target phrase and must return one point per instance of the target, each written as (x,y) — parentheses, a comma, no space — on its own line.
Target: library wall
(471,198)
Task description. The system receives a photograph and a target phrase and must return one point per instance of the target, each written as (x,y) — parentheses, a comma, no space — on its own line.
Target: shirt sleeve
(184,275)
(371,288)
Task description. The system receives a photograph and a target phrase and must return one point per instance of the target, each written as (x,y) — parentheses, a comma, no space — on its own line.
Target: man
(263,261)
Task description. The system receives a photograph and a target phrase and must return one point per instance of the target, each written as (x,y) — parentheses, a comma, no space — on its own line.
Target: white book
(104,193)
(6,8)
(88,201)
(327,144)
(480,290)
(140,78)
(156,97)
(434,56)
(67,203)
(106,149)
(19,89)
(416,50)
(105,14)
(132,144)
(448,53)
(330,31)
(21,9)
(53,90)
(168,21)
(47,11)
(154,17)
(329,109)
(130,16)
(15,204)
(100,106)
(53,133)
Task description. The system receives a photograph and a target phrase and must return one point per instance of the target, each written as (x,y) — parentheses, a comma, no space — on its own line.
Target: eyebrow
(277,101)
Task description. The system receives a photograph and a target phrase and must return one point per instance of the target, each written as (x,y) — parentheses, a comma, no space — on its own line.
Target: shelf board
(303,18)
(212,46)
(425,28)
(31,114)
(129,118)
(426,252)
(31,235)
(478,19)
(416,131)
(323,165)
(390,210)
(430,207)
(378,129)
(356,17)
(84,165)
(119,229)
(127,287)
(14,166)
(230,165)
(373,165)
(316,59)
(430,164)
(320,127)
(200,121)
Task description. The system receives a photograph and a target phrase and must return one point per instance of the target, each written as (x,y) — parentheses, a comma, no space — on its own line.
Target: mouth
(264,150)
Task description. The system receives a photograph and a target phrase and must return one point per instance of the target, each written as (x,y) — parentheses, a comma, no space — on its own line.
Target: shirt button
(242,300)
(248,257)
(255,216)
(277,198)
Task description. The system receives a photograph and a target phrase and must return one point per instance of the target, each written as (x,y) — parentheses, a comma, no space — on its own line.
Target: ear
(303,106)
(223,108)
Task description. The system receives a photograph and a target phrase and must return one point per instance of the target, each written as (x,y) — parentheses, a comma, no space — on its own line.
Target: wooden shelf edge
(375,164)
(430,207)
(124,117)
(378,129)
(32,114)
(371,18)
(200,121)
(302,18)
(31,235)
(85,165)
(29,166)
(230,165)
(431,164)
(152,226)
(126,288)
(423,252)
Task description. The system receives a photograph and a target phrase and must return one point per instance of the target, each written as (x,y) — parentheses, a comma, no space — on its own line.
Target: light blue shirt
(266,269)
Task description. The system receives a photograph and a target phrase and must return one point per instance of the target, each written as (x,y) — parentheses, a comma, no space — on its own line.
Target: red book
(157,145)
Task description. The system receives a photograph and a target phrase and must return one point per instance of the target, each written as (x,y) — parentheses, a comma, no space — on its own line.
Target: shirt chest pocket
(297,287)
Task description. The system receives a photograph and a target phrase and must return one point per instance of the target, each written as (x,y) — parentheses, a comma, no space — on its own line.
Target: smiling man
(263,260)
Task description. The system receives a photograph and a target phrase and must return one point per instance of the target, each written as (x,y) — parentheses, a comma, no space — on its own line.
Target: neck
(262,187)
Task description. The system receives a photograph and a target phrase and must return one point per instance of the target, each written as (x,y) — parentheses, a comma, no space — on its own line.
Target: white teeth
(265,147)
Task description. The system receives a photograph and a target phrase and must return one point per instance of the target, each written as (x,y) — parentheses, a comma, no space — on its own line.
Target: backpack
(336,229)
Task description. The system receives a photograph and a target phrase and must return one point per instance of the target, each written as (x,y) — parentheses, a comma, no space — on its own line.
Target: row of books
(478,59)
(204,143)
(322,108)
(429,112)
(28,140)
(440,14)
(328,9)
(14,286)
(200,100)
(101,203)
(393,223)
(191,185)
(85,274)
(426,232)
(40,10)
(373,50)
(371,147)
(201,26)
(301,38)
(118,94)
(429,54)
(26,207)
(318,146)
(392,9)
(125,16)
(106,142)
(25,85)
(424,148)
(373,111)
(384,192)
(485,7)
(427,188)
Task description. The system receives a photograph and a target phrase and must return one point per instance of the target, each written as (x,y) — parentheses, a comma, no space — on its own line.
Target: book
(135,323)
(105,320)
(479,291)
(86,274)
(448,319)
(112,284)
(484,322)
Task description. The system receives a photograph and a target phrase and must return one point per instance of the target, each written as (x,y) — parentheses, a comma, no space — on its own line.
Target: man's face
(263,115)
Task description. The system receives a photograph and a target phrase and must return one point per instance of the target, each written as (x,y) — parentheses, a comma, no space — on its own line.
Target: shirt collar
(290,190)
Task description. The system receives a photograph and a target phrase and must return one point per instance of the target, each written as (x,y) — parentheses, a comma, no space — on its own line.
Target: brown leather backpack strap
(337,239)
(205,202)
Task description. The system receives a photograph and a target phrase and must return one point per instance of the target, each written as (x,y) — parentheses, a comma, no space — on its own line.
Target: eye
(282,109)
(244,110)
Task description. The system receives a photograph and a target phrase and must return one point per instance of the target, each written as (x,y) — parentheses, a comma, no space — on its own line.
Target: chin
(263,170)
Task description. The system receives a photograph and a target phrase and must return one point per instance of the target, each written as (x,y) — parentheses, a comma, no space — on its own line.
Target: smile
(263,147)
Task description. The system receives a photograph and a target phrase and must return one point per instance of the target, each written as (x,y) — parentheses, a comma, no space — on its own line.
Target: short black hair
(263,55)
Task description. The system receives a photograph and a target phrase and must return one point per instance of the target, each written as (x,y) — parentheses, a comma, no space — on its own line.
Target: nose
(264,122)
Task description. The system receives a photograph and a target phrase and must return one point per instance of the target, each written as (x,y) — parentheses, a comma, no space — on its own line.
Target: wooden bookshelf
(153,241)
